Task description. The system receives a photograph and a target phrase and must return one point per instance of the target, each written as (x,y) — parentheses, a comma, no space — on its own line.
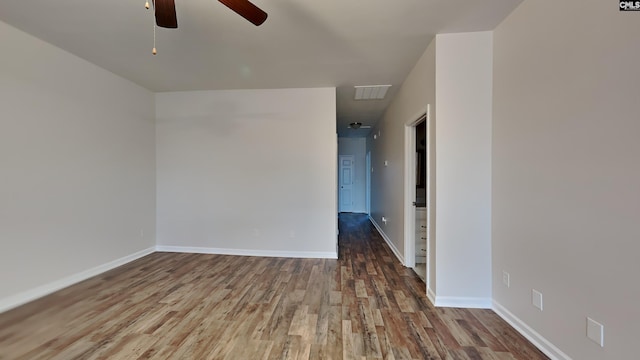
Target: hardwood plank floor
(365,305)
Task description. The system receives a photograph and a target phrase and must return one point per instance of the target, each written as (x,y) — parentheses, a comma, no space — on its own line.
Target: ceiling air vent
(371,92)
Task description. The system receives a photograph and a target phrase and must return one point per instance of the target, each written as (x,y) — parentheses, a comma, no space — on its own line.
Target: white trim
(462,302)
(409,187)
(430,204)
(337,197)
(413,121)
(431,296)
(248,252)
(367,164)
(410,194)
(536,339)
(394,249)
(13,301)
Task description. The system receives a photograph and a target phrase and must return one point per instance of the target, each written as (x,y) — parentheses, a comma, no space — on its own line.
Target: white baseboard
(431,296)
(462,302)
(388,241)
(13,301)
(536,339)
(243,252)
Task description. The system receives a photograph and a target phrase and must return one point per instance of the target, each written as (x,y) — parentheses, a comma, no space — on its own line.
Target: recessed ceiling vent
(371,92)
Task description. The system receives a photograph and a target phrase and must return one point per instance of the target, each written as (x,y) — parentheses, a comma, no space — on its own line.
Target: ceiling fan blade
(166,13)
(247,10)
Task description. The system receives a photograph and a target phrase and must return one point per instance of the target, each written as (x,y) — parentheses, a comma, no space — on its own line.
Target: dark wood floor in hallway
(365,305)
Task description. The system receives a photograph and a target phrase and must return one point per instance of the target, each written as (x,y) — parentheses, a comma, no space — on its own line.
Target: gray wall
(566,194)
(77,167)
(463,169)
(233,178)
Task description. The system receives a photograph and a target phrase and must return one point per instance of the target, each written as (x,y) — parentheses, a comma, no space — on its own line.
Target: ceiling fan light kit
(358,125)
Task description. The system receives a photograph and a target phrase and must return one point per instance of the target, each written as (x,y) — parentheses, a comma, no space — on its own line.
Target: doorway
(419,199)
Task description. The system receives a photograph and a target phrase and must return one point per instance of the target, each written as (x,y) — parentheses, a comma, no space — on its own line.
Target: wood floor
(189,306)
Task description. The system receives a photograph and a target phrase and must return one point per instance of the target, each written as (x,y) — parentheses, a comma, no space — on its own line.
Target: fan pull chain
(146,6)
(154,51)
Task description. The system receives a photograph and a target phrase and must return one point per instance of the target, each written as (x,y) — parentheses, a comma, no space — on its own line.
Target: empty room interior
(288,179)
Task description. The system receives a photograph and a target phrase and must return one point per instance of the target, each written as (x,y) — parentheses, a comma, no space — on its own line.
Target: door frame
(410,190)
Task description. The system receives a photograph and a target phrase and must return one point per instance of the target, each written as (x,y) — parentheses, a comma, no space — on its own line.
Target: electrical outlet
(384,220)
(536,298)
(141,233)
(595,331)
(506,279)
(386,163)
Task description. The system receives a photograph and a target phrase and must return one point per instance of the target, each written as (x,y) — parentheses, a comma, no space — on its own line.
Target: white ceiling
(303,43)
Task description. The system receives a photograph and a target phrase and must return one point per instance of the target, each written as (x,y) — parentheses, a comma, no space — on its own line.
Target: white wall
(356,147)
(77,167)
(247,171)
(566,198)
(463,167)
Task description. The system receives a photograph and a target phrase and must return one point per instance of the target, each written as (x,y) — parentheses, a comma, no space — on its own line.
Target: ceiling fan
(358,125)
(165,11)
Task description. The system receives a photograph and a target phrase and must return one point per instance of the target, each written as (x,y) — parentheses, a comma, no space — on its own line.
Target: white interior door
(345,180)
